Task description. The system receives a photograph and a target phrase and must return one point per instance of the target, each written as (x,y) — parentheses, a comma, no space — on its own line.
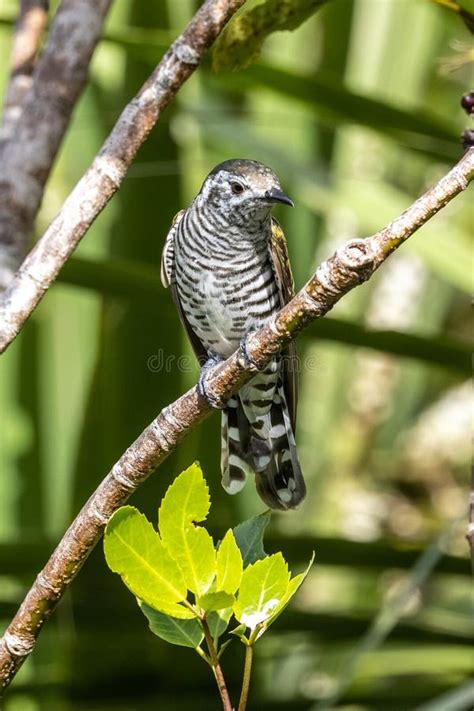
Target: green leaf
(185,633)
(215,601)
(241,41)
(229,564)
(264,585)
(239,631)
(219,621)
(134,550)
(186,502)
(293,587)
(249,537)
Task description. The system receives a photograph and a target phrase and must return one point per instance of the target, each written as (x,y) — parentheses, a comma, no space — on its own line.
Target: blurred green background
(358,112)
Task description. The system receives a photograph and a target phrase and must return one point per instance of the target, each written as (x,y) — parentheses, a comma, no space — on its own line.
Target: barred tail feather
(235,436)
(279,479)
(265,446)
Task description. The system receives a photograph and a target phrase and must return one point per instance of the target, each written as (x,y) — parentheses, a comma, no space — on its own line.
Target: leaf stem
(244,694)
(216,667)
(203,655)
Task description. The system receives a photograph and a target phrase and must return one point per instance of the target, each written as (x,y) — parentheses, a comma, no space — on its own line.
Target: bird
(226,262)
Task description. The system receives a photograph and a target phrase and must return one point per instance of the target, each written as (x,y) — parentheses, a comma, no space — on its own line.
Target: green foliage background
(358,112)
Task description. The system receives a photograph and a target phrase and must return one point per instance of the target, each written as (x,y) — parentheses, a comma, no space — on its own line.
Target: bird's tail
(265,445)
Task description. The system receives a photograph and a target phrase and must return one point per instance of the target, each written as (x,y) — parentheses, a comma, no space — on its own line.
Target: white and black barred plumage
(226,262)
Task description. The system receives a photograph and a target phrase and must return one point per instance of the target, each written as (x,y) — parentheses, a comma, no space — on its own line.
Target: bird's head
(242,191)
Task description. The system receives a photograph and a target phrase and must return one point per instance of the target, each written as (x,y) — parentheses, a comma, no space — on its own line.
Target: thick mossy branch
(29,31)
(41,114)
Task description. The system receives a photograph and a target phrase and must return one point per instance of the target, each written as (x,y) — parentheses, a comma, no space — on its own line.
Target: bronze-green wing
(284,277)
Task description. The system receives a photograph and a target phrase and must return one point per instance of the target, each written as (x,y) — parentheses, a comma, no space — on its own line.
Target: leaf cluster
(183,583)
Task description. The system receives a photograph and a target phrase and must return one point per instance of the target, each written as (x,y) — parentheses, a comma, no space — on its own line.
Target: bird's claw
(213,400)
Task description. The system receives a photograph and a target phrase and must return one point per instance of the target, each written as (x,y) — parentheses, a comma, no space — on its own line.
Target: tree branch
(352,264)
(29,32)
(30,147)
(104,176)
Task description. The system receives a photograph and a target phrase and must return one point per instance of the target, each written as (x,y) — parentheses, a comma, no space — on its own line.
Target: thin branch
(352,264)
(216,667)
(104,176)
(26,156)
(29,32)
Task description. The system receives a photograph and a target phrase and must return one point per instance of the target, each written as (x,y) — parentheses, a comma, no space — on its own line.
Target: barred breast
(225,280)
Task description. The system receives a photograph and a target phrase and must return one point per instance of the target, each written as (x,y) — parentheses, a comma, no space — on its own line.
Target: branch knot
(163,428)
(121,478)
(111,167)
(45,584)
(355,259)
(18,646)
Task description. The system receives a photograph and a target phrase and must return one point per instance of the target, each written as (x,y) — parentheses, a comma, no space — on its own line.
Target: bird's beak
(277,195)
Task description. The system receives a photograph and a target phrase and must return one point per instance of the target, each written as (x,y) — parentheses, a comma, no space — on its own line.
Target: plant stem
(244,694)
(216,667)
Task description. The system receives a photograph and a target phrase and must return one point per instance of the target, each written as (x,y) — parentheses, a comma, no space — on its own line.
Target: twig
(352,264)
(26,42)
(107,171)
(244,694)
(26,156)
(216,667)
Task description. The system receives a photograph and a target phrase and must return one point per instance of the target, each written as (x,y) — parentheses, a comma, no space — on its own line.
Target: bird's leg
(211,363)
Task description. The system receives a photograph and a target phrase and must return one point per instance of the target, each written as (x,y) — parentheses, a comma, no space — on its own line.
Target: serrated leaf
(134,550)
(185,633)
(212,601)
(219,621)
(176,610)
(241,41)
(249,538)
(229,564)
(263,587)
(185,503)
(293,587)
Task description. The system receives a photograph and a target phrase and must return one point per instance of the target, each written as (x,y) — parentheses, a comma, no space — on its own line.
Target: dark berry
(467,102)
(468,139)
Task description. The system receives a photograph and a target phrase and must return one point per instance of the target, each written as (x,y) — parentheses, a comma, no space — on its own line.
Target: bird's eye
(236,187)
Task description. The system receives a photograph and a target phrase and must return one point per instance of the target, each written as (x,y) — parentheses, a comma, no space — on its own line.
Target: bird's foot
(245,359)
(209,366)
